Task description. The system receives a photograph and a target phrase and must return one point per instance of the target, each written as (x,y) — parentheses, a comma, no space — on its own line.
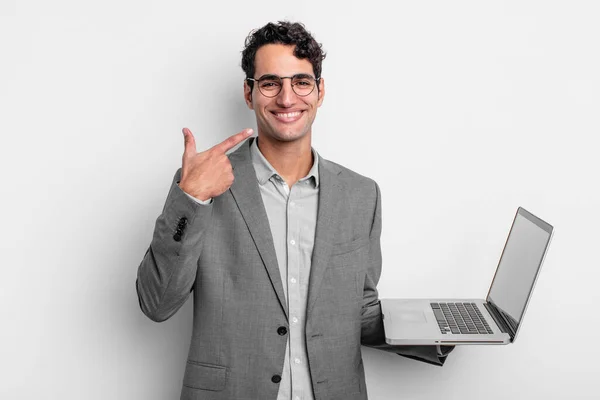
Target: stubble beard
(288,135)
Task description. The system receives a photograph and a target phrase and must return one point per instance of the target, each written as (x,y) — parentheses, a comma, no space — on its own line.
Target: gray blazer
(224,253)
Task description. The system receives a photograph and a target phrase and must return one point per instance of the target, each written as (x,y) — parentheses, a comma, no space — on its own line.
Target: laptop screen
(519,265)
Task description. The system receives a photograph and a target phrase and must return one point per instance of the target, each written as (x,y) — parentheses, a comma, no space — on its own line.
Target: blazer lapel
(247,195)
(329,193)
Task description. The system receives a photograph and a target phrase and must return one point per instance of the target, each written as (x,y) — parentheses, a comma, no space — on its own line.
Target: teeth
(289,115)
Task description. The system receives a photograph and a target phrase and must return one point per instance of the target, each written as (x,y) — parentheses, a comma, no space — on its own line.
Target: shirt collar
(264,169)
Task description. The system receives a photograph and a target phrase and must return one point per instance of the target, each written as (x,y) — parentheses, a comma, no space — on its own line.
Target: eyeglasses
(270,85)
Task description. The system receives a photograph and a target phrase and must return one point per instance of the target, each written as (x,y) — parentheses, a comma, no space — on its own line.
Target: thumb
(189,143)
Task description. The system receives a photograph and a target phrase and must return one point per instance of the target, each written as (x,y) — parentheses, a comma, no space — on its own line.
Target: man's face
(287,116)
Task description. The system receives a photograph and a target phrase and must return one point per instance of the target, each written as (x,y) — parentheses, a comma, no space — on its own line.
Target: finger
(189,143)
(231,141)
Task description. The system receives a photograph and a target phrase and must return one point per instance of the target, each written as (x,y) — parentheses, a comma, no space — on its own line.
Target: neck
(291,160)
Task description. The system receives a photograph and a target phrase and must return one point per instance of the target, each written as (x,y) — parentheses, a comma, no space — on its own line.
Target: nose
(286,97)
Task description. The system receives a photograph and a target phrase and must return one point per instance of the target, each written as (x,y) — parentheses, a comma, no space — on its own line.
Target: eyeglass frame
(281,78)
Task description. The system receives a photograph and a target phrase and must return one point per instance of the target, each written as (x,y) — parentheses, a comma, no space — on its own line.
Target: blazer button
(282,330)
(276,379)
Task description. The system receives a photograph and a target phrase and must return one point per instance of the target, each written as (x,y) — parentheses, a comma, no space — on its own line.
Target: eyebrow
(304,76)
(268,76)
(301,75)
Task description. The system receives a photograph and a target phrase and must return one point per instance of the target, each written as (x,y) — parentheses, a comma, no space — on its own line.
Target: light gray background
(461,110)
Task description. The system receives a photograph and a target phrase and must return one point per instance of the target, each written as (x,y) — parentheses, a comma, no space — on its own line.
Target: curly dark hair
(284,32)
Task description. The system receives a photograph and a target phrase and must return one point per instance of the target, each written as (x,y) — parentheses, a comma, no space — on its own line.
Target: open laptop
(495,320)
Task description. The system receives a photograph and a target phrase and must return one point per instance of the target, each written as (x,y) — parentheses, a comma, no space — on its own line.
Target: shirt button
(293,280)
(292,204)
(297,361)
(295,320)
(292,242)
(296,398)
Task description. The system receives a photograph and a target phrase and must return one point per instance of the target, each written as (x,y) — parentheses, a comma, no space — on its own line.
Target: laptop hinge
(500,319)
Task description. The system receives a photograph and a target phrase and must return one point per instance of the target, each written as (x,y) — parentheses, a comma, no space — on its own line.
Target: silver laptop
(495,320)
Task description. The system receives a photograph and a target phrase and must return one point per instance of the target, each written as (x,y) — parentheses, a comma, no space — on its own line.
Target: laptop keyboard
(460,318)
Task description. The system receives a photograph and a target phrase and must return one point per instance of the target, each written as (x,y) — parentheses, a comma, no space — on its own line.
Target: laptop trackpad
(412,316)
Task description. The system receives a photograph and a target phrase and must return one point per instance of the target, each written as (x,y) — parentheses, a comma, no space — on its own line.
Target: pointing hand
(209,173)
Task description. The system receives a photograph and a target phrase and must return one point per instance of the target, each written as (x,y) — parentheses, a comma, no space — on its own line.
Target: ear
(321,92)
(248,95)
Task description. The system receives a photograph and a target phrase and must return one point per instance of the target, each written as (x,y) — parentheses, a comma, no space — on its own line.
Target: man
(280,246)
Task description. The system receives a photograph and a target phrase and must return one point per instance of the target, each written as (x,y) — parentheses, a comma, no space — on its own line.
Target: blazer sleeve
(167,272)
(372,330)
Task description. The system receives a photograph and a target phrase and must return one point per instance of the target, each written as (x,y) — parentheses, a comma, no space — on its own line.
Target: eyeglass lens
(271,85)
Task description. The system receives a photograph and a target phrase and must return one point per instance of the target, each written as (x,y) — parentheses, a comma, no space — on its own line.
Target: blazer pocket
(204,376)
(347,247)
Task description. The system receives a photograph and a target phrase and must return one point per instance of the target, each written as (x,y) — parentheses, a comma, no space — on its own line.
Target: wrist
(198,195)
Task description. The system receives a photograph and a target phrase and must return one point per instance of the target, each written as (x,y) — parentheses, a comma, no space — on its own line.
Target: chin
(286,136)
(292,137)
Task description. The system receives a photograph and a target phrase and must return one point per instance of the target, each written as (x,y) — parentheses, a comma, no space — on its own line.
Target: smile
(288,117)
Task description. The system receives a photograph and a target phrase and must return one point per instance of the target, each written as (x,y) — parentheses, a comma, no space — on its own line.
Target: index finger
(231,141)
